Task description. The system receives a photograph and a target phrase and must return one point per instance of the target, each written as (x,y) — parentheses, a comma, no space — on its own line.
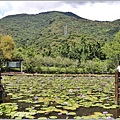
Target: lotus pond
(35,97)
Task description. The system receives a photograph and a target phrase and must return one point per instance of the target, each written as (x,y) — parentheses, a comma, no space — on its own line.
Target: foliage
(37,64)
(6,47)
(45,28)
(53,35)
(112,50)
(61,96)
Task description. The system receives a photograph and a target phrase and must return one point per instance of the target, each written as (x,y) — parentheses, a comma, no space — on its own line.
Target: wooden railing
(117,86)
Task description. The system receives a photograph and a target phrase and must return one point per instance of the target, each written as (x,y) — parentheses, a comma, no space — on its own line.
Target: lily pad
(72,113)
(42,118)
(1,113)
(41,112)
(52,117)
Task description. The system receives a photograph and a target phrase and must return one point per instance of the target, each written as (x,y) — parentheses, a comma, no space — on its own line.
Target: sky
(92,10)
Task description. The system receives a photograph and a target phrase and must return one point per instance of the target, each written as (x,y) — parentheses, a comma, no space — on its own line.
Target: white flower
(70,90)
(65,103)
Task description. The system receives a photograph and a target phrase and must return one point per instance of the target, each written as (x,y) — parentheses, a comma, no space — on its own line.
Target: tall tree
(112,49)
(6,47)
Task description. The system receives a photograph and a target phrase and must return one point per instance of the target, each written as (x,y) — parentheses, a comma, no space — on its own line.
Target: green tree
(112,50)
(6,47)
(18,53)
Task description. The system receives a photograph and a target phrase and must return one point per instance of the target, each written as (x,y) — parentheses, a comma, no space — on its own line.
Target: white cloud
(1,16)
(30,7)
(95,10)
(4,6)
(100,11)
(103,11)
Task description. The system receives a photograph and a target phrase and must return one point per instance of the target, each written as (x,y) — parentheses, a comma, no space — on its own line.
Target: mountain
(47,28)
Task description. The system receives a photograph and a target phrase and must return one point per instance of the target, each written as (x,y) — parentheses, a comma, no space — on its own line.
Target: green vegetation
(6,47)
(59,97)
(63,40)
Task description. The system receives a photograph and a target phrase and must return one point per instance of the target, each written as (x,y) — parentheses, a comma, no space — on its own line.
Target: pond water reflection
(62,97)
(81,111)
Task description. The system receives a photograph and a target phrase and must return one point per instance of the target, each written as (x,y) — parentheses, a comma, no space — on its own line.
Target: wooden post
(116,112)
(116,87)
(21,70)
(0,72)
(0,76)
(2,90)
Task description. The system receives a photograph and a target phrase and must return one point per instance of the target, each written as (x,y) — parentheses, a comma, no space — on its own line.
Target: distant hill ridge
(45,28)
(66,13)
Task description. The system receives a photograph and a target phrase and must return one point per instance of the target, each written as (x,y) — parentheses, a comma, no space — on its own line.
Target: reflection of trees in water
(116,113)
(89,111)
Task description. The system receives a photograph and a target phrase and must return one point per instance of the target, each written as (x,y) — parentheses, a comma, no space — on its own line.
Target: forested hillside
(61,35)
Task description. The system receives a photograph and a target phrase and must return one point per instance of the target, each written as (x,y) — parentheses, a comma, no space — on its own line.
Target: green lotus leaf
(85,117)
(77,117)
(57,110)
(107,104)
(14,98)
(97,113)
(51,109)
(18,118)
(22,100)
(1,113)
(94,117)
(24,114)
(105,107)
(11,114)
(40,100)
(114,106)
(60,101)
(44,95)
(40,111)
(9,104)
(78,97)
(69,108)
(35,102)
(52,117)
(32,112)
(59,106)
(14,108)
(48,111)
(87,106)
(42,118)
(31,95)
(76,105)
(43,108)
(28,101)
(28,109)
(72,113)
(36,105)
(63,96)
(45,105)
(109,115)
(10,94)
(98,105)
(30,116)
(64,111)
(20,114)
